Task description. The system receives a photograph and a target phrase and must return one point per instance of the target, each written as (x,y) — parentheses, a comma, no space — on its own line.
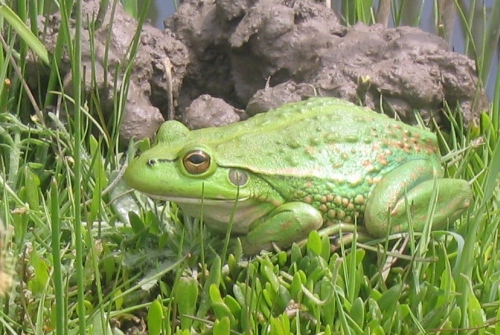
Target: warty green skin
(300,167)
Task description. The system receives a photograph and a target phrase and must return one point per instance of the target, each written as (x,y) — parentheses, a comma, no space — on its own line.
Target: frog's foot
(413,185)
(343,233)
(286,224)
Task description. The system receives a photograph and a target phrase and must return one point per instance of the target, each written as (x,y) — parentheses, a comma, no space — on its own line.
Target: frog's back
(326,138)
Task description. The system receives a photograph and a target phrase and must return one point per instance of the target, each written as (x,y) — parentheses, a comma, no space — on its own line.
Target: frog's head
(182,166)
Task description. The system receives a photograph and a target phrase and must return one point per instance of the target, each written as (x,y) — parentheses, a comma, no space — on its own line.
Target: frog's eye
(196,162)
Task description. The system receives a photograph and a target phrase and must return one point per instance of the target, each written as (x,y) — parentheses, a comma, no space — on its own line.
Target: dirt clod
(207,111)
(244,48)
(260,54)
(151,87)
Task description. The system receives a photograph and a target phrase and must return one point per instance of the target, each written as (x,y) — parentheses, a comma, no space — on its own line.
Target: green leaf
(476,315)
(155,317)
(118,299)
(268,294)
(295,253)
(284,297)
(325,248)
(296,285)
(215,294)
(214,278)
(222,326)
(40,273)
(221,311)
(280,325)
(135,222)
(108,265)
(186,296)
(271,276)
(389,299)
(326,293)
(314,242)
(357,312)
(32,186)
(456,316)
(233,305)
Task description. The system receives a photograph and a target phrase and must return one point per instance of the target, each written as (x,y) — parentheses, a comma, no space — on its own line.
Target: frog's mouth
(192,200)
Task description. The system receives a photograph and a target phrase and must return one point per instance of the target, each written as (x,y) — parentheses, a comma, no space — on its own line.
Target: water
(159,10)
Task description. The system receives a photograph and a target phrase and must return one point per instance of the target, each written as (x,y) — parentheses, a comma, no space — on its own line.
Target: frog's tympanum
(322,162)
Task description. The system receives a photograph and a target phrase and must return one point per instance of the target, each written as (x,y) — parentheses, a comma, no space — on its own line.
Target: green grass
(88,256)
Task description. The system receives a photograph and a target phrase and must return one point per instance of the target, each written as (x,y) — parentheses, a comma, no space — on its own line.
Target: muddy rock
(206,111)
(407,68)
(273,97)
(259,53)
(156,75)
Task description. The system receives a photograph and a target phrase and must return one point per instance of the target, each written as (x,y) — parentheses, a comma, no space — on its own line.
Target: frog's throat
(217,214)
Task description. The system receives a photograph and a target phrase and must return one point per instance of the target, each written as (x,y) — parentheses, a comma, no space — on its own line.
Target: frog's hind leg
(413,184)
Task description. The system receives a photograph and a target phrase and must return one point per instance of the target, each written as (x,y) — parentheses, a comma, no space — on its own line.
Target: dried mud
(222,56)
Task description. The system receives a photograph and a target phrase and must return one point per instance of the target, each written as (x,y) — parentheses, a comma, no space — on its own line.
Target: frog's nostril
(153,162)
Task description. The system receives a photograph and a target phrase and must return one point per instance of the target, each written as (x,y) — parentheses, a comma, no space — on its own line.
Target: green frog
(323,162)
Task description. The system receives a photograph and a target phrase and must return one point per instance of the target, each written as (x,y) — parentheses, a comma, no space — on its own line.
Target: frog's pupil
(196,159)
(196,162)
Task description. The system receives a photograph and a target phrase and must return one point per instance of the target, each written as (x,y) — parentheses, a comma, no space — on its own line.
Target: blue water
(161,9)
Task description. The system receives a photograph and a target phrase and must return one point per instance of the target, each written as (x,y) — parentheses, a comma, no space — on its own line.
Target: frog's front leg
(284,225)
(413,184)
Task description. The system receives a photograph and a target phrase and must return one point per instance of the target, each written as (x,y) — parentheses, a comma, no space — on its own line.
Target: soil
(156,76)
(223,56)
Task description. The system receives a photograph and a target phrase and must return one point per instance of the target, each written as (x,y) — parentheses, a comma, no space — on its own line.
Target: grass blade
(20,27)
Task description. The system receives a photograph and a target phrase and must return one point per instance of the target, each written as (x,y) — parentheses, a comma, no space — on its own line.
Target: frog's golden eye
(196,162)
